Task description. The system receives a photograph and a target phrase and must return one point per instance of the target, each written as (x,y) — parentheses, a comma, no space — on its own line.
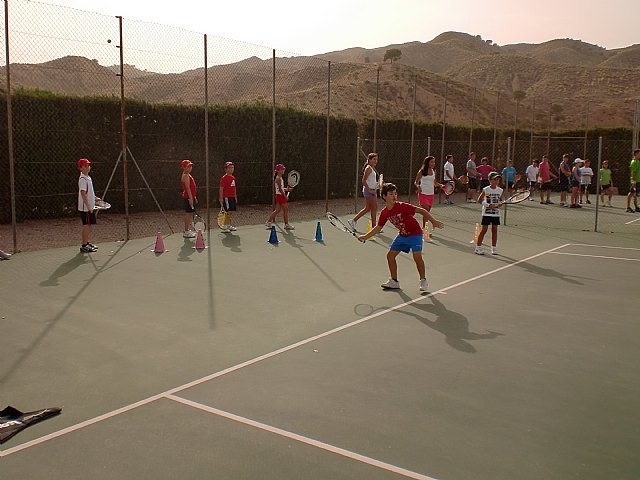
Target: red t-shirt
(485,170)
(228,184)
(401,217)
(192,187)
(544,172)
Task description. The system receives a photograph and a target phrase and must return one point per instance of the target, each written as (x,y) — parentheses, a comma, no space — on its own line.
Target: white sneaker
(268,225)
(225,228)
(391,284)
(608,204)
(494,251)
(478,251)
(470,200)
(4,255)
(424,285)
(352,224)
(289,227)
(189,234)
(231,228)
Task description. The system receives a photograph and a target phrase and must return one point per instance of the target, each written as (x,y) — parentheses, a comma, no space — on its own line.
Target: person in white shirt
(532,176)
(585,180)
(491,199)
(86,205)
(448,176)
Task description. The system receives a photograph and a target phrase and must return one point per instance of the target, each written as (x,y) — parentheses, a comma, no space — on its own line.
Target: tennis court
(253,360)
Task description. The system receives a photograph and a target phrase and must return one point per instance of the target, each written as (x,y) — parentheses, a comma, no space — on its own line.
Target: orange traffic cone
(159,248)
(200,245)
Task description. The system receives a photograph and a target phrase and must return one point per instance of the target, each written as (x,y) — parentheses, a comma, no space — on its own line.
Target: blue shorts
(404,244)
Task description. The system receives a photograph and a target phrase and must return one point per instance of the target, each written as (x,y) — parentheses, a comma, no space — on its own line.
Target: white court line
(602,246)
(632,221)
(597,256)
(126,408)
(300,438)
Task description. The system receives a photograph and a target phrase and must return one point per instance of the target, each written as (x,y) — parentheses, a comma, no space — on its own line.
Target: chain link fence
(137,97)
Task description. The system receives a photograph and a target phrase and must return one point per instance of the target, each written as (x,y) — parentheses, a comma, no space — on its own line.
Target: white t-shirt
(491,196)
(532,173)
(586,174)
(85,184)
(471,165)
(372,179)
(449,174)
(427,184)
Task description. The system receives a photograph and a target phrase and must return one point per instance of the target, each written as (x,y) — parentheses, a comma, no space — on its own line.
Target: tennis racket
(517,197)
(449,188)
(293,180)
(102,205)
(198,223)
(463,179)
(223,216)
(336,222)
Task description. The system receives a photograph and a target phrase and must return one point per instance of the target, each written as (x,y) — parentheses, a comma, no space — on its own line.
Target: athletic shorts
(509,184)
(367,194)
(281,199)
(425,199)
(604,188)
(633,188)
(533,185)
(88,218)
(404,244)
(575,183)
(473,183)
(545,186)
(229,204)
(484,183)
(486,220)
(187,208)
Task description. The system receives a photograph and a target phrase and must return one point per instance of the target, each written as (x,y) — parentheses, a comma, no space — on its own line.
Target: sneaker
(543,203)
(494,251)
(478,251)
(581,202)
(573,205)
(231,228)
(289,227)
(629,210)
(268,225)
(424,285)
(549,202)
(226,228)
(562,203)
(391,284)
(4,255)
(637,210)
(352,224)
(86,249)
(589,202)
(470,200)
(189,234)
(95,247)
(578,206)
(609,204)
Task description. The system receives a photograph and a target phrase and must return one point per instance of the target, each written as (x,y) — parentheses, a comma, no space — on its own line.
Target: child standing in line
(606,182)
(449,176)
(426,183)
(401,215)
(490,198)
(369,191)
(576,175)
(228,198)
(189,199)
(532,177)
(585,180)
(86,204)
(281,200)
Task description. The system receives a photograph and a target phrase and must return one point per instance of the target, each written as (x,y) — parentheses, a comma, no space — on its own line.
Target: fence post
(273,130)
(326,177)
(413,136)
(12,182)
(206,130)
(355,196)
(123,133)
(506,182)
(595,228)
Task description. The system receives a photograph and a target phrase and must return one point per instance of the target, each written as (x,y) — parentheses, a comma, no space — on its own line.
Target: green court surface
(249,360)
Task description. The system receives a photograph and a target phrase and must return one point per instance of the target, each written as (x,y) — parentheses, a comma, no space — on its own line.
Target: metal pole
(326,174)
(515,128)
(123,133)
(533,126)
(636,119)
(273,130)
(495,131)
(473,115)
(375,117)
(12,180)
(413,136)
(355,196)
(206,130)
(586,128)
(506,183)
(444,127)
(549,129)
(595,228)
(428,145)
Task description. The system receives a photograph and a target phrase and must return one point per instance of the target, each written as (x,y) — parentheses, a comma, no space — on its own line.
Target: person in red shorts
(409,238)
(281,199)
(228,197)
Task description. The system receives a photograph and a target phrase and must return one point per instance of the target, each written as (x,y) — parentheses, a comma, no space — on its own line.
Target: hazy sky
(318,27)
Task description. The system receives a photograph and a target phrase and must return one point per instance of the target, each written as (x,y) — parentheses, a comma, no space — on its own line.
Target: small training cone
(369,226)
(159,248)
(200,245)
(427,235)
(273,237)
(319,233)
(476,234)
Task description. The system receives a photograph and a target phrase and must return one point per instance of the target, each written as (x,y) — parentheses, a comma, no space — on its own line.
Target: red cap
(228,164)
(280,167)
(186,163)
(82,162)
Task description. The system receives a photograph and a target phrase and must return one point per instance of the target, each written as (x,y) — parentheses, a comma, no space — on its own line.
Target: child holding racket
(426,183)
(401,215)
(369,191)
(490,198)
(189,198)
(449,177)
(86,205)
(228,198)
(281,199)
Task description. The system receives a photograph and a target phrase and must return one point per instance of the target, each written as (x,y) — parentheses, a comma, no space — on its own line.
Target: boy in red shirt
(228,198)
(400,214)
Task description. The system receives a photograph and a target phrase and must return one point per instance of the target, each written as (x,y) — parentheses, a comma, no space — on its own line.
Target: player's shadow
(65,269)
(545,272)
(231,241)
(186,251)
(453,325)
